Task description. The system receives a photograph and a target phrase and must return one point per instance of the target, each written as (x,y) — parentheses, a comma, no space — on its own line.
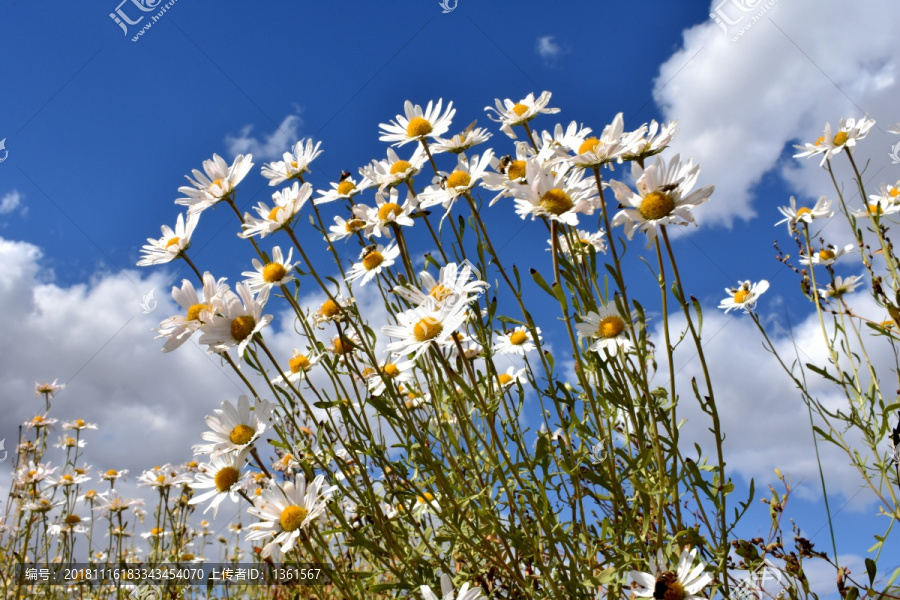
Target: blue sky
(101,130)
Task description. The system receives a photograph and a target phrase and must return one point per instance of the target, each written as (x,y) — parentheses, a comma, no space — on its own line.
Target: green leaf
(871,569)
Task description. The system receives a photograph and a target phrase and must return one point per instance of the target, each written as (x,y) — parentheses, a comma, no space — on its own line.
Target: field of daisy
(389,456)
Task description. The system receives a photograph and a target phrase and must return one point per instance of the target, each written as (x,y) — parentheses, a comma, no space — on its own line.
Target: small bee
(344,175)
(367,250)
(665,586)
(443,183)
(504,163)
(668,187)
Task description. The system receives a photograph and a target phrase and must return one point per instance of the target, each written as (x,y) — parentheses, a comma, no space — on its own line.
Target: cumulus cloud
(548,49)
(268,146)
(10,202)
(741,104)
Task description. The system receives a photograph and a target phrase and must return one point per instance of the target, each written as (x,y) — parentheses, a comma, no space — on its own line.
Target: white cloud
(740,103)
(548,49)
(270,146)
(10,202)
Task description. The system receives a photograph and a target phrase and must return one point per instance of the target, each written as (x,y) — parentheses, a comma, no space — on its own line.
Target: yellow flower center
(418,127)
(292,517)
(354,225)
(193,464)
(588,145)
(391,370)
(518,338)
(72,519)
(504,378)
(161,479)
(656,205)
(372,260)
(330,309)
(187,556)
(368,372)
(520,109)
(79,422)
(427,497)
(819,141)
(226,477)
(79,471)
(345,187)
(242,327)
(841,138)
(340,347)
(874,208)
(427,329)
(242,434)
(459,179)
(37,419)
(516,170)
(894,192)
(193,313)
(298,363)
(156,531)
(556,202)
(112,473)
(273,272)
(401,166)
(440,292)
(273,214)
(31,474)
(70,441)
(172,241)
(740,296)
(610,327)
(826,254)
(668,587)
(389,210)
(68,478)
(803,210)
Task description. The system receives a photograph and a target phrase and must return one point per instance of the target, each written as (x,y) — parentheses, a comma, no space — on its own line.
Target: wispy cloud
(548,49)
(268,146)
(10,202)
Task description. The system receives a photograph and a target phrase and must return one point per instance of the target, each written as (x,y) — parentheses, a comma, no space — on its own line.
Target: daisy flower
(113,475)
(372,261)
(287,509)
(396,372)
(172,244)
(554,194)
(416,124)
(459,182)
(470,136)
(826,256)
(235,428)
(455,283)
(47,390)
(516,341)
(744,296)
(879,207)
(343,229)
(33,473)
(653,140)
(609,329)
(848,133)
(330,310)
(295,163)
(70,524)
(69,442)
(111,502)
(298,366)
(222,477)
(179,328)
(508,170)
(510,377)
(683,584)
(664,196)
(394,170)
(344,189)
(584,241)
(163,477)
(560,141)
(218,183)
(447,591)
(510,114)
(78,425)
(840,286)
(430,322)
(426,503)
(344,344)
(794,215)
(277,272)
(612,145)
(387,212)
(288,203)
(40,421)
(233,321)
